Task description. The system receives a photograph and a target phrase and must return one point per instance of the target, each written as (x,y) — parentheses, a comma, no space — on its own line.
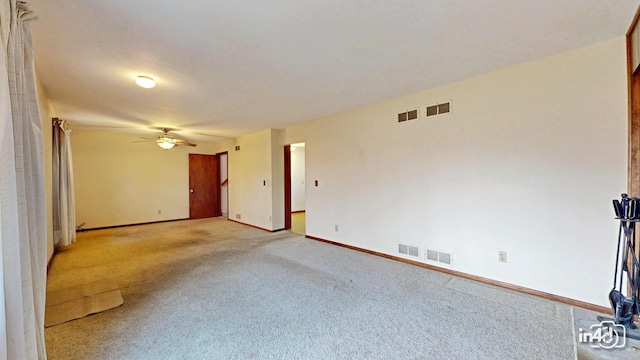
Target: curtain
(64,209)
(23,254)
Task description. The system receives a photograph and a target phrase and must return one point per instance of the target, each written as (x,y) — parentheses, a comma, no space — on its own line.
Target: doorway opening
(223,161)
(295,192)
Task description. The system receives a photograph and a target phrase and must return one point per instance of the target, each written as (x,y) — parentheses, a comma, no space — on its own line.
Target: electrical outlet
(159,211)
(502,256)
(269,218)
(335,227)
(238,216)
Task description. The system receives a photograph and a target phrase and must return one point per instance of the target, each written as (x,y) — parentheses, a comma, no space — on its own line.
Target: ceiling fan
(166,141)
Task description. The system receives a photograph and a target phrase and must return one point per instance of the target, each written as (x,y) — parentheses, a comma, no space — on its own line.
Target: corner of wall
(277,176)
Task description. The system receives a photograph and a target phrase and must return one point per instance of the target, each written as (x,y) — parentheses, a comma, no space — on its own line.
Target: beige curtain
(64,208)
(23,254)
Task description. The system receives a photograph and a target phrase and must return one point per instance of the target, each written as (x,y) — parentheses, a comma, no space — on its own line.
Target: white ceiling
(231,67)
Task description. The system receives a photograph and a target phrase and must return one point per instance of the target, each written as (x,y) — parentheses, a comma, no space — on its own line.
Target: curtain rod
(64,124)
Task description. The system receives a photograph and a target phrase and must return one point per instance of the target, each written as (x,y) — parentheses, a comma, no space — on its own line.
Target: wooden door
(204,186)
(633,86)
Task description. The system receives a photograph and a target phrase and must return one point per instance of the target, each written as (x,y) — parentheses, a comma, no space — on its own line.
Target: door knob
(190,190)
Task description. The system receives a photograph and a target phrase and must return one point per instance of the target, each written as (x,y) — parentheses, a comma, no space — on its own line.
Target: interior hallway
(298,222)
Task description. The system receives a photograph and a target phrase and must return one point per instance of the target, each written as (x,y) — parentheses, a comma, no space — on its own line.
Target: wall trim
(136,224)
(522,289)
(256,227)
(298,212)
(50,262)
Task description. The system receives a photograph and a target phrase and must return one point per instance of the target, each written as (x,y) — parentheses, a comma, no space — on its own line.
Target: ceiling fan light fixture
(145,82)
(166,142)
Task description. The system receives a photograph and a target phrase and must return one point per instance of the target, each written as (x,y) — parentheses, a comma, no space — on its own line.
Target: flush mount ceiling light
(145,82)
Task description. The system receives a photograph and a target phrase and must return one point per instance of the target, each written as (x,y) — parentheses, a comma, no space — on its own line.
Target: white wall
(277,176)
(256,180)
(119,182)
(297,179)
(527,163)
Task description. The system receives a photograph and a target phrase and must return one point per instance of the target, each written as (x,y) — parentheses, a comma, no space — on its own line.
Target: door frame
(287,187)
(633,93)
(222,183)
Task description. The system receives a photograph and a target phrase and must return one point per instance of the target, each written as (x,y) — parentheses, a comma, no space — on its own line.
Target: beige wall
(297,179)
(256,180)
(119,181)
(527,162)
(277,177)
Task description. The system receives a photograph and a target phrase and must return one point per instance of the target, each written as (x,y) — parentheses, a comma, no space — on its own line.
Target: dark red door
(204,186)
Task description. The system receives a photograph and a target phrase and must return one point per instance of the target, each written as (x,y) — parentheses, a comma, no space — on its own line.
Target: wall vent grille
(432,255)
(408,115)
(438,109)
(439,256)
(409,250)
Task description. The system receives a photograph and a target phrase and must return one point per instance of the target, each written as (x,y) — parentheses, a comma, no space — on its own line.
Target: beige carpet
(81,300)
(215,289)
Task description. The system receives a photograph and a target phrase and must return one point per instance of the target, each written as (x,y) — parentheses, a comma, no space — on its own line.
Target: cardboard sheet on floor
(81,300)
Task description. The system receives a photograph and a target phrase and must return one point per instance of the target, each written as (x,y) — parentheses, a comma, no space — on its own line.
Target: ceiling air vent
(408,115)
(438,109)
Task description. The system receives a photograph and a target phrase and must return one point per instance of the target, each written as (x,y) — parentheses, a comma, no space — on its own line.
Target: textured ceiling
(231,67)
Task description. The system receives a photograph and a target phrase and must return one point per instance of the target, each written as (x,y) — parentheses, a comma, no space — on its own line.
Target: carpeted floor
(215,289)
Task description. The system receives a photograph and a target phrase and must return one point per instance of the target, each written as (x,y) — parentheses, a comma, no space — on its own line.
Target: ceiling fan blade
(150,139)
(184,142)
(144,141)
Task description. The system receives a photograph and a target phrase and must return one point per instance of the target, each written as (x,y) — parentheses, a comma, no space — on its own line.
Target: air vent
(439,256)
(438,109)
(408,115)
(408,250)
(402,249)
(432,255)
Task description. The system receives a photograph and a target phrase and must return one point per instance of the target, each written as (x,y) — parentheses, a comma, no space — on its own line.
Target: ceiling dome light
(145,82)
(166,142)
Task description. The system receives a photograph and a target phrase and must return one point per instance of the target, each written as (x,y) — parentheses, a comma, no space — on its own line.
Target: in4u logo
(606,335)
